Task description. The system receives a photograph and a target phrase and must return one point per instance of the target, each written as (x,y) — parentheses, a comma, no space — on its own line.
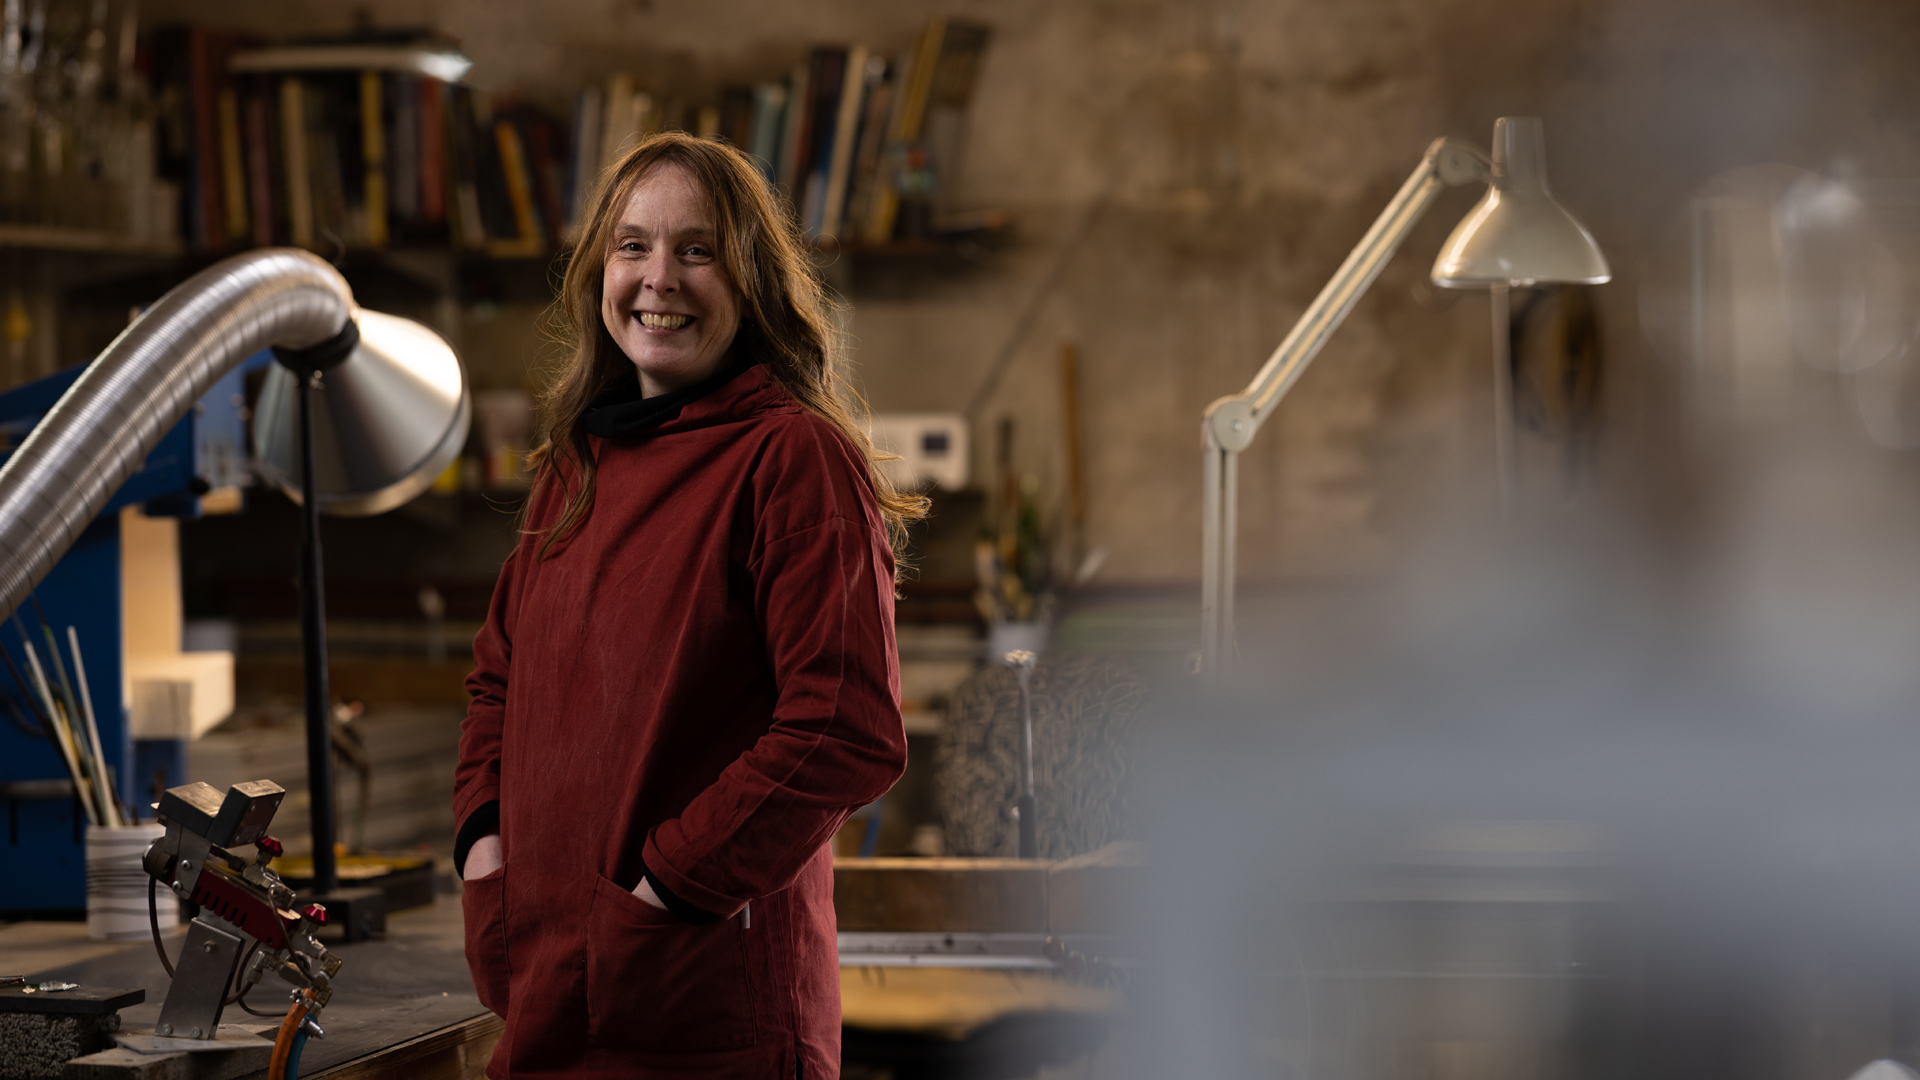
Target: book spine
(373,151)
(585,175)
(259,154)
(233,172)
(208,206)
(736,116)
(519,181)
(769,120)
(926,63)
(433,152)
(464,213)
(793,142)
(867,156)
(403,150)
(496,204)
(846,133)
(620,122)
(547,161)
(323,158)
(293,138)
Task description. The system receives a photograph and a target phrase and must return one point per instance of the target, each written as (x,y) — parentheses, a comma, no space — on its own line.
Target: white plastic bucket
(117,884)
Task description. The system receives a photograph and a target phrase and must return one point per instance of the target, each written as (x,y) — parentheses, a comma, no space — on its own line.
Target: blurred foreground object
(1517,234)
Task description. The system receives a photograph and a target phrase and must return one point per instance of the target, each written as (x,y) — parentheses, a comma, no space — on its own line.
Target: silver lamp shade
(1519,234)
(387,420)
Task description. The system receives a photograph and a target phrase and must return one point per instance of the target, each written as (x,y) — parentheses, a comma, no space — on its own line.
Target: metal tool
(1022,661)
(248,925)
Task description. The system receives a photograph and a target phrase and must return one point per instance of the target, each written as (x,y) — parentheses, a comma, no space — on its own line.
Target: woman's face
(665,297)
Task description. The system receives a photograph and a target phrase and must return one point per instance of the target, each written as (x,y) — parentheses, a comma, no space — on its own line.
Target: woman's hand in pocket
(485,858)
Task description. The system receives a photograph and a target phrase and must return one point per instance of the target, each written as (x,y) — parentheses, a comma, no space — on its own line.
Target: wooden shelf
(62,238)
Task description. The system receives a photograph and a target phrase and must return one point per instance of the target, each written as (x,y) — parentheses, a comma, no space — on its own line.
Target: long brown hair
(784,320)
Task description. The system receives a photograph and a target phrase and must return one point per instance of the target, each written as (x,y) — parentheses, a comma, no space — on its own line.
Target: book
(519,182)
(793,140)
(867,154)
(584,177)
(260,147)
(846,131)
(736,115)
(433,152)
(299,174)
(373,150)
(769,122)
(235,225)
(619,123)
(325,134)
(403,149)
(463,212)
(547,162)
(206,202)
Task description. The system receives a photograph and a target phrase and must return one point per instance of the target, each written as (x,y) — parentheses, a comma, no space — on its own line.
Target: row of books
(350,149)
(866,147)
(341,158)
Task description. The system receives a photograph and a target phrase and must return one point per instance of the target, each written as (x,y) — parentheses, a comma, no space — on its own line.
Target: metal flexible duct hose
(101,430)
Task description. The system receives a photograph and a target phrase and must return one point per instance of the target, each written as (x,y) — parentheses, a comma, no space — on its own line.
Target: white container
(117,884)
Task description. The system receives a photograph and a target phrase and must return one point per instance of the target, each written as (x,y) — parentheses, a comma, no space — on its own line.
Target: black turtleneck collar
(620,410)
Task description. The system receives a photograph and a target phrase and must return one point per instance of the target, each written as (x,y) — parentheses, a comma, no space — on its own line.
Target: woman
(687,680)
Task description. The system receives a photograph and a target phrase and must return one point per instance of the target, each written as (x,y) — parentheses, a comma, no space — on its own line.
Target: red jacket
(702,681)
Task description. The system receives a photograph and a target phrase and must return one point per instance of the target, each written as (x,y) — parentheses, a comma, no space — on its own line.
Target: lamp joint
(1230,423)
(1457,162)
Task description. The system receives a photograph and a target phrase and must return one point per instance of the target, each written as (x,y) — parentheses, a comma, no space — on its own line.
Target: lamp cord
(153,921)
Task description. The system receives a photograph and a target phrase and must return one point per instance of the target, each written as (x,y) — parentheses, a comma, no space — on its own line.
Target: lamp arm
(1231,422)
(103,427)
(1447,163)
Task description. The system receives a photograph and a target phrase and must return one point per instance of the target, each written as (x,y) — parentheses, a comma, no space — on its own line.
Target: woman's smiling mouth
(654,321)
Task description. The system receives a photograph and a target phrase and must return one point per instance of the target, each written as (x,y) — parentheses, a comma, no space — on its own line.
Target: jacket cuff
(660,871)
(681,910)
(483,822)
(482,791)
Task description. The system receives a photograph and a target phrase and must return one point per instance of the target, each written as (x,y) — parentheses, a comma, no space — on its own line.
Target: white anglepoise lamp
(1516,235)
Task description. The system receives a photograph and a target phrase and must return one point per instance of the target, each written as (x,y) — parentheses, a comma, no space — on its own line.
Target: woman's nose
(659,277)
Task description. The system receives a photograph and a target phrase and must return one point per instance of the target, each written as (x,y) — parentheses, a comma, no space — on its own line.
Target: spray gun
(248,925)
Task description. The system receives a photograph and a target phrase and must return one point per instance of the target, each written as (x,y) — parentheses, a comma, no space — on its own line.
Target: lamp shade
(387,420)
(1518,234)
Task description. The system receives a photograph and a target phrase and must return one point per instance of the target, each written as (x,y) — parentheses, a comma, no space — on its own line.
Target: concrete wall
(1192,172)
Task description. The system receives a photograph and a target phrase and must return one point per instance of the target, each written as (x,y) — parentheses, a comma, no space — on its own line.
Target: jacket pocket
(483,903)
(656,983)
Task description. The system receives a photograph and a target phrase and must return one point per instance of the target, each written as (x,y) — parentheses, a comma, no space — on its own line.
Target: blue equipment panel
(42,854)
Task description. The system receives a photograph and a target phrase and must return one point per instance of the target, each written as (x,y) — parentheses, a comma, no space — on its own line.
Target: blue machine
(45,823)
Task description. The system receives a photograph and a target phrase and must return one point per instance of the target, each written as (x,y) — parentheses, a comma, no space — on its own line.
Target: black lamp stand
(360,913)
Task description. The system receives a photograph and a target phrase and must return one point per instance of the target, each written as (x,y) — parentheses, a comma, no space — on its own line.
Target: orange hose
(283,1043)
